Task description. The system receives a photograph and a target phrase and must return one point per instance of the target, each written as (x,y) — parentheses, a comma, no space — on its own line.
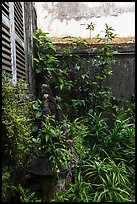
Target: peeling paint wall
(65,18)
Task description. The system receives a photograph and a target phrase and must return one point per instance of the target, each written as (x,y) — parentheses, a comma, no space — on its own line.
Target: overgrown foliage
(106,146)
(27,195)
(100,126)
(8,188)
(51,139)
(16,121)
(16,133)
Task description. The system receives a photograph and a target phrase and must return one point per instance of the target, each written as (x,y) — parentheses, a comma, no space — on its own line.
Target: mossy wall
(122,82)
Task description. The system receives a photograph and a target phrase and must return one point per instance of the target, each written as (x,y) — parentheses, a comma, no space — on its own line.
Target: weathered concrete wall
(122,82)
(64,18)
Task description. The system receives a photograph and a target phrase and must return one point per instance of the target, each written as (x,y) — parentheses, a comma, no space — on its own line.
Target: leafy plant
(108,180)
(89,26)
(27,195)
(8,189)
(16,121)
(77,192)
(78,85)
(50,138)
(78,133)
(94,120)
(108,34)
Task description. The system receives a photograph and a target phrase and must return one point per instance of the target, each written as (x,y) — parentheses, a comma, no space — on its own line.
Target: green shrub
(8,188)
(109,181)
(77,192)
(16,121)
(16,135)
(27,196)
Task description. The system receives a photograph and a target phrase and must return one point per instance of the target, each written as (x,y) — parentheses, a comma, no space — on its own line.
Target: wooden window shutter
(6,43)
(19,40)
(13,46)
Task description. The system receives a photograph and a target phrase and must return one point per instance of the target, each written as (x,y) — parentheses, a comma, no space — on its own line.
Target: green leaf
(27,151)
(36,140)
(61,86)
(35,59)
(94,82)
(38,114)
(46,138)
(99,199)
(35,128)
(38,70)
(84,76)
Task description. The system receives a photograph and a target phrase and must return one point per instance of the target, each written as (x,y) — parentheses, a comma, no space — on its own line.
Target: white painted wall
(65,18)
